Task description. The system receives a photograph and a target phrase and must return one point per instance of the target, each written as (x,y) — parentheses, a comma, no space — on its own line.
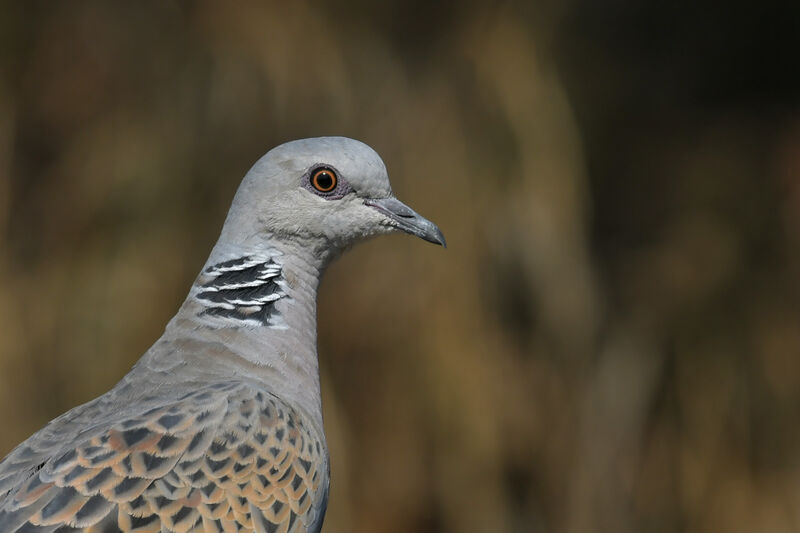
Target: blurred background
(610,343)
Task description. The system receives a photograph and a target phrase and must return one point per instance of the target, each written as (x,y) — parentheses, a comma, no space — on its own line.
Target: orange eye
(324,180)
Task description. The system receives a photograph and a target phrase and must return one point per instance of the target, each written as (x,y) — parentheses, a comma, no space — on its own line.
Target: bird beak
(408,220)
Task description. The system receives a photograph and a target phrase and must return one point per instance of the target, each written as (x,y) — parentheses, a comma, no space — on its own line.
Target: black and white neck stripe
(242,289)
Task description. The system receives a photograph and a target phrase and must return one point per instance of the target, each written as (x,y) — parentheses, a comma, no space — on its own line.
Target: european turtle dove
(218,427)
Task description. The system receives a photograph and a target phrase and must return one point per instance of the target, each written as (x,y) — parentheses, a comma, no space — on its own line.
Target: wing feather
(222,458)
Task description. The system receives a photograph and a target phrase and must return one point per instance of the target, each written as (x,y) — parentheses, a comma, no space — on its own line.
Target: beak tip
(440,239)
(433,235)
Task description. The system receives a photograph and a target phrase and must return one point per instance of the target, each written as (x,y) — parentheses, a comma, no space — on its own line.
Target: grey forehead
(359,164)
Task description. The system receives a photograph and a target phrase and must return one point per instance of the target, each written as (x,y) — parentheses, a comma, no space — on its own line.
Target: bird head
(333,190)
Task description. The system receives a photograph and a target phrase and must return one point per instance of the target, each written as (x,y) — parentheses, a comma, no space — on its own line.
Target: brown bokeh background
(612,340)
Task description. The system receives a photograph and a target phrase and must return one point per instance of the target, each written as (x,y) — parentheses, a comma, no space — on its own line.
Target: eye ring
(324,179)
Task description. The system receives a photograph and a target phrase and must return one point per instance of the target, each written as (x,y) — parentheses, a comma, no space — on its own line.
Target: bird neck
(253,309)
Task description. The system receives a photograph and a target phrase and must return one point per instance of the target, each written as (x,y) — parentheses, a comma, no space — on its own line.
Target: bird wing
(225,457)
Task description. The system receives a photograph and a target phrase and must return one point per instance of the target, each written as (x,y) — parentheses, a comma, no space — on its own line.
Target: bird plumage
(218,427)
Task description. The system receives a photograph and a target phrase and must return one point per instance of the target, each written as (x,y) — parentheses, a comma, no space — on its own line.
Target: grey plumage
(218,427)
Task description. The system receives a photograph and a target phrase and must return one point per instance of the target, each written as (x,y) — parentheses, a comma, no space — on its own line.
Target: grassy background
(611,341)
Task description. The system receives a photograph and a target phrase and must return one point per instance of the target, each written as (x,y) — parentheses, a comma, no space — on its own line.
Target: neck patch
(244,289)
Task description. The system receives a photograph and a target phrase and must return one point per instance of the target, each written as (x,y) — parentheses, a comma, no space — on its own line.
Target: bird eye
(324,180)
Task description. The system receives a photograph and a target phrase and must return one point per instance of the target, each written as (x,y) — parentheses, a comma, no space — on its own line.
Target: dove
(218,427)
